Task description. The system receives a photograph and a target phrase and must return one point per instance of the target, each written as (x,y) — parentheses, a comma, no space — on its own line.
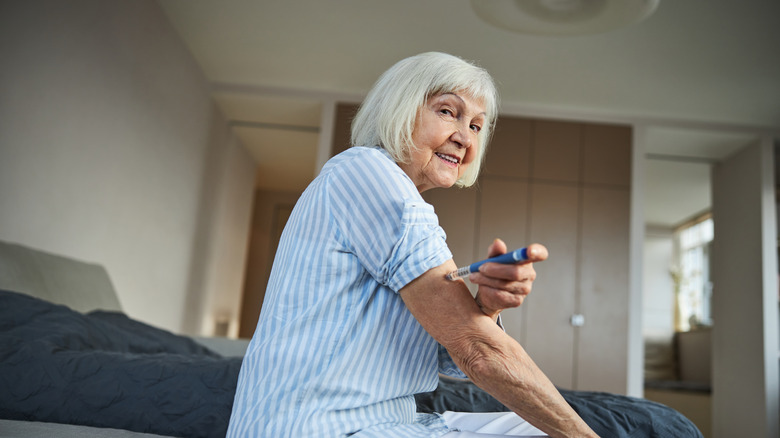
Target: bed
(72,364)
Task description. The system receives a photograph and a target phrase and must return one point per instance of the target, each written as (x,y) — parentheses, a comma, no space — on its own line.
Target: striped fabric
(336,353)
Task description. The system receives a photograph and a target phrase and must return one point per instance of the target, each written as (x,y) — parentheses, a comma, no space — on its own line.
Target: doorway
(678,188)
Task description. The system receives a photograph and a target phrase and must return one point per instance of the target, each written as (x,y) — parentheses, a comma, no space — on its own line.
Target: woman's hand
(505,286)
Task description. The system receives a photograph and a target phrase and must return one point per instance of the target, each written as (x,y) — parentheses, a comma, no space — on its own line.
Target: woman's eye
(446,111)
(476,128)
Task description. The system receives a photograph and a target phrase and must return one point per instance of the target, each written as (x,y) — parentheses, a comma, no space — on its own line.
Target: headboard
(79,285)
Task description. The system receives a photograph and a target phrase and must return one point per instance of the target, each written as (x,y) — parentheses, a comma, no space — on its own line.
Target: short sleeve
(383,221)
(422,246)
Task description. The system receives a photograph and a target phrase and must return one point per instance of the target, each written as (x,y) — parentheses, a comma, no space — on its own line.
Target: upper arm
(448,312)
(380,219)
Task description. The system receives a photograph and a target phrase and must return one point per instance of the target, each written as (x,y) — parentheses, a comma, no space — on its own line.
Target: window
(693,287)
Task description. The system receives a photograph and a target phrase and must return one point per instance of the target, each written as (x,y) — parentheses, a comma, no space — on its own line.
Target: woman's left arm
(488,356)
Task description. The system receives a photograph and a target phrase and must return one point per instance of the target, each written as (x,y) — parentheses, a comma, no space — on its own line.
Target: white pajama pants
(489,424)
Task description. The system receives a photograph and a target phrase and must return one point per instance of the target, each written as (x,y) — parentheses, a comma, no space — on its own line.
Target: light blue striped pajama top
(336,352)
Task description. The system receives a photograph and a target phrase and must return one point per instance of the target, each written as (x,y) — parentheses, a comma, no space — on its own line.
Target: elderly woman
(358,315)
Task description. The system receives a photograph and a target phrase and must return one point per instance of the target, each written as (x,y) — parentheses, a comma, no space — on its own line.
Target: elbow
(481,359)
(494,363)
(499,370)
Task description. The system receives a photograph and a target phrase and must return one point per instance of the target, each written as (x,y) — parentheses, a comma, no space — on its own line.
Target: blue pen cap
(520,255)
(516,256)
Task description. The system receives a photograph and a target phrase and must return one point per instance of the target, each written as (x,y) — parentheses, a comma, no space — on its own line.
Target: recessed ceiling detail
(563,17)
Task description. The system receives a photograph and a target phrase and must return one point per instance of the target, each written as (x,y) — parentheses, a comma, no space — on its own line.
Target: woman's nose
(462,136)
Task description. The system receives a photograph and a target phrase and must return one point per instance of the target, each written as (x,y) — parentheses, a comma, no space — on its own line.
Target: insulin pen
(516,256)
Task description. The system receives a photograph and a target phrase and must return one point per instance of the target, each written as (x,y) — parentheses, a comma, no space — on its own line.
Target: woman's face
(445,133)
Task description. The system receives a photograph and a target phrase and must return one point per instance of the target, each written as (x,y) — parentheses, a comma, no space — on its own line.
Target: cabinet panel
(603,340)
(504,214)
(456,209)
(549,337)
(510,151)
(556,151)
(607,154)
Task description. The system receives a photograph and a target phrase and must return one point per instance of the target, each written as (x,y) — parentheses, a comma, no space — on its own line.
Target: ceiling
(702,76)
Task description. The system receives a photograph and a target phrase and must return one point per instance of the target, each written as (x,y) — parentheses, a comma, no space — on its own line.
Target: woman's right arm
(492,359)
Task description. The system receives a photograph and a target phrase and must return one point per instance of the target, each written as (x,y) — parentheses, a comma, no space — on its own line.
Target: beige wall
(112,151)
(270,213)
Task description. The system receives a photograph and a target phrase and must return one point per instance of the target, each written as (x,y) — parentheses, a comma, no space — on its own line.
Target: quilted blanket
(104,369)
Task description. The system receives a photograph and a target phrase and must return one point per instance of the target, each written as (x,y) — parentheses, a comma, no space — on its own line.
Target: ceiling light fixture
(563,17)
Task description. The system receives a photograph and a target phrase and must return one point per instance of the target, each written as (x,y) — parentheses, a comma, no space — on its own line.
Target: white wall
(746,390)
(107,144)
(658,286)
(216,283)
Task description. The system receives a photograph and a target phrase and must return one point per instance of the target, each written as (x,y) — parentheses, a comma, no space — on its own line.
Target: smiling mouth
(449,158)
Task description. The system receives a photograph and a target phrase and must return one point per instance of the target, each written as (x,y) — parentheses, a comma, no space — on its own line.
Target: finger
(518,272)
(497,248)
(511,286)
(507,277)
(495,299)
(537,252)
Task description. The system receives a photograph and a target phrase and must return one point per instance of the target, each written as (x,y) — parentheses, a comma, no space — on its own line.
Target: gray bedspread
(103,369)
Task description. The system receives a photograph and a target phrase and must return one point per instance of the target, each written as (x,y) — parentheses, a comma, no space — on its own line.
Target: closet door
(602,342)
(549,336)
(556,151)
(457,212)
(509,154)
(602,346)
(503,213)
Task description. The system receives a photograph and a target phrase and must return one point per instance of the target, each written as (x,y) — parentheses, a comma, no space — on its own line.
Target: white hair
(386,117)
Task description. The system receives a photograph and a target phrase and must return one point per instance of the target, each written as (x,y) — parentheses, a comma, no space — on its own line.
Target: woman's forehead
(475,103)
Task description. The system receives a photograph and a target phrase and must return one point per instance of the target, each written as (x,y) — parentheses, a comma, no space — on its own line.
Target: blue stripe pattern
(336,353)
